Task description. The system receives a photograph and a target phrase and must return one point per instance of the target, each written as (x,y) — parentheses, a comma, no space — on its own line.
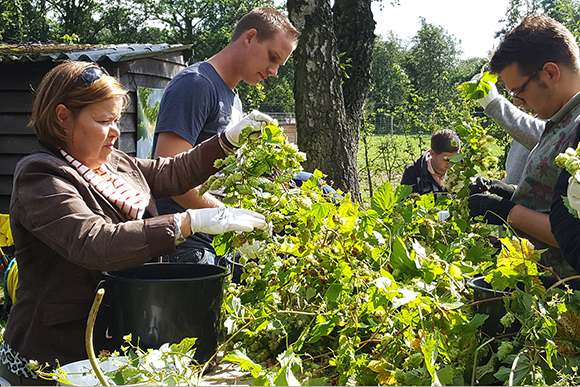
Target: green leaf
(383,199)
(503,374)
(446,375)
(403,192)
(430,351)
(118,379)
(475,323)
(288,361)
(310,293)
(400,258)
(522,370)
(185,345)
(237,356)
(222,244)
(322,210)
(505,349)
(333,292)
(262,380)
(316,382)
(323,328)
(407,296)
(272,133)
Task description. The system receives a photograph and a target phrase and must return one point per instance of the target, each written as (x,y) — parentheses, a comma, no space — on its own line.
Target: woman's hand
(220,220)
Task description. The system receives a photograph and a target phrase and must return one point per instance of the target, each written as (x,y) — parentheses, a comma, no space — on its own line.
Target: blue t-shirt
(196,105)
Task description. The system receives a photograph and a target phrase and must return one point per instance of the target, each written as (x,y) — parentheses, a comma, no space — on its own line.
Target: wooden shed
(22,68)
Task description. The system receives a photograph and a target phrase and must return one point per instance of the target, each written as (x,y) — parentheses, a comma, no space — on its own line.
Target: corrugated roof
(95,53)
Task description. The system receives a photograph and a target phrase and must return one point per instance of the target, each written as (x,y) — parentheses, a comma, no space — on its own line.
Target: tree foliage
(565,11)
(23,21)
(207,24)
(431,60)
(389,79)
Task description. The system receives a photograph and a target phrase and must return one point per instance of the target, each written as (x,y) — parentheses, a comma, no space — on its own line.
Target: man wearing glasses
(539,64)
(524,129)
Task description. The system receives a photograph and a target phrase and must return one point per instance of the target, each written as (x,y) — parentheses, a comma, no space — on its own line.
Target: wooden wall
(19,79)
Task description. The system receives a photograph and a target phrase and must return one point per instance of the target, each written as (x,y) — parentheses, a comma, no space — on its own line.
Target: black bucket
(164,303)
(235,267)
(496,309)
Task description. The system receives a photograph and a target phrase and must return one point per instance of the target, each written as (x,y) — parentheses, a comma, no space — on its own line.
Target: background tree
(75,18)
(207,24)
(123,21)
(432,58)
(23,21)
(357,49)
(390,83)
(279,96)
(322,124)
(565,11)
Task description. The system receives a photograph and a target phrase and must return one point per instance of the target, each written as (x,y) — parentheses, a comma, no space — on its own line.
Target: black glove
(483,184)
(495,209)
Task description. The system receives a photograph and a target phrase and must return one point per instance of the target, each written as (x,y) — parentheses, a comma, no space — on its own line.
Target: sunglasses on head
(91,74)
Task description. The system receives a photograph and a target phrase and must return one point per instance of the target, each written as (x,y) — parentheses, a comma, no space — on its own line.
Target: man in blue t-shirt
(202,101)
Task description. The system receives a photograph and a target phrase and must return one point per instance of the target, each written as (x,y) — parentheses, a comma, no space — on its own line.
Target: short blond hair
(64,85)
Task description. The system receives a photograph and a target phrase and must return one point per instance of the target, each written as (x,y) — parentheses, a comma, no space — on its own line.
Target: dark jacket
(418,176)
(565,227)
(65,233)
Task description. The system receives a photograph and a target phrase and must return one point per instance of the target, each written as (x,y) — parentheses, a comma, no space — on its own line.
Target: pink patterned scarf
(115,189)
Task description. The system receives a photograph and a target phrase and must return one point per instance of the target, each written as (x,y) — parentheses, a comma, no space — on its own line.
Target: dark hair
(445,140)
(536,41)
(267,21)
(64,85)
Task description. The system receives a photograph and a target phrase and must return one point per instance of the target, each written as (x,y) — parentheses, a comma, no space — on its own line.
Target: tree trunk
(354,27)
(322,130)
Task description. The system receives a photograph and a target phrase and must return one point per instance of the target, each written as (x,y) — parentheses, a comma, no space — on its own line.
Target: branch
(89,336)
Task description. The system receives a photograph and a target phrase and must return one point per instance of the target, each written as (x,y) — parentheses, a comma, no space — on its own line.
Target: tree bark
(321,124)
(354,27)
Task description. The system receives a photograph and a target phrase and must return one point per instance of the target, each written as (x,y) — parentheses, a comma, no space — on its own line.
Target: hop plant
(570,160)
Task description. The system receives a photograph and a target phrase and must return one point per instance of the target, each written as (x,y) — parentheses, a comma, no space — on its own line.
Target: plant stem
(514,366)
(563,280)
(483,301)
(475,359)
(89,336)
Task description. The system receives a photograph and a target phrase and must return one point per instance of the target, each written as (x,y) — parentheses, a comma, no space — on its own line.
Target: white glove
(257,120)
(223,219)
(253,250)
(493,93)
(574,193)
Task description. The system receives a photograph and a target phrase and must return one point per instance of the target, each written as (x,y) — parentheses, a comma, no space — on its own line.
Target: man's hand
(483,184)
(494,209)
(220,220)
(493,93)
(256,120)
(574,193)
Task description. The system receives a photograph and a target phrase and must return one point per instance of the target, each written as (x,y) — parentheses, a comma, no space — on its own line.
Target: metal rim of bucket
(118,278)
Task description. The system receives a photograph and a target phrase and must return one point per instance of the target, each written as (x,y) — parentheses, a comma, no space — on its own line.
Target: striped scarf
(115,189)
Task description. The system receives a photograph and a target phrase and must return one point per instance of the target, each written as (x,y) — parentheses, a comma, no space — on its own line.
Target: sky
(472,22)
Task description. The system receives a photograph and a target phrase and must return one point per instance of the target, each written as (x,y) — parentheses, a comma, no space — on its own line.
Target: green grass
(389,156)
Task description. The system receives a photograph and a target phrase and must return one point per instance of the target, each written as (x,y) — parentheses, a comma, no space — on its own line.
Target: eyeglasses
(91,74)
(523,87)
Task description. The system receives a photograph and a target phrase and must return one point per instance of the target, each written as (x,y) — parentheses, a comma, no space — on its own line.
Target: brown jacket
(65,233)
